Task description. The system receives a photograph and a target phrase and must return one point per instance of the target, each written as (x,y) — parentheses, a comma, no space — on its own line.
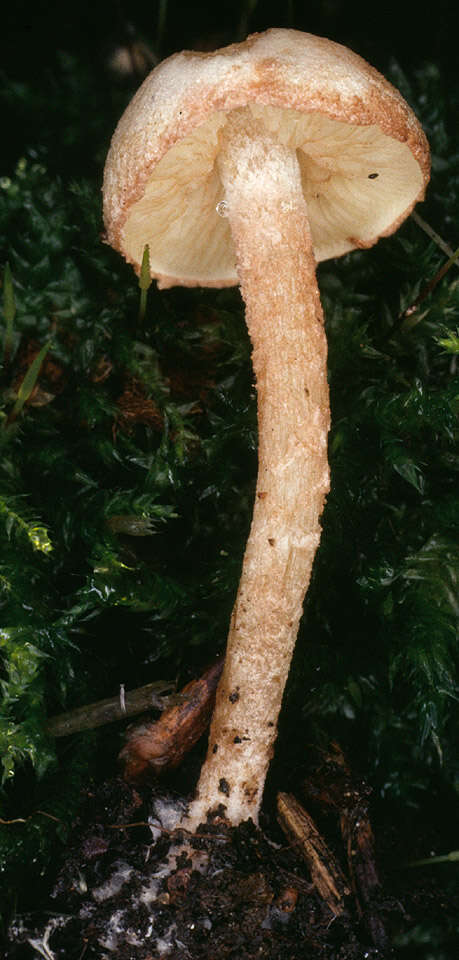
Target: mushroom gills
(180,212)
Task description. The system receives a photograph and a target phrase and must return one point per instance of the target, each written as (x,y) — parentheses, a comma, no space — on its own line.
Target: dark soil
(133,887)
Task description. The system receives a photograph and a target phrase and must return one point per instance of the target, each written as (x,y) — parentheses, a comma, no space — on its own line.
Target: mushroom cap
(363,156)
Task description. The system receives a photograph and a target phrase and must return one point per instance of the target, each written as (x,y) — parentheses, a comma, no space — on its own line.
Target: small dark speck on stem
(224,787)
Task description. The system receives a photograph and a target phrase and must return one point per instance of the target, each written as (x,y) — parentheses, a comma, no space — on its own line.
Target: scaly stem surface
(276,267)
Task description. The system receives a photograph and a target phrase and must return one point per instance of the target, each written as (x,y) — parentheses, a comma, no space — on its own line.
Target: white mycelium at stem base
(276,267)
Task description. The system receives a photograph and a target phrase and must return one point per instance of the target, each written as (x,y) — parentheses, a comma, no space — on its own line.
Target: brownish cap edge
(126,173)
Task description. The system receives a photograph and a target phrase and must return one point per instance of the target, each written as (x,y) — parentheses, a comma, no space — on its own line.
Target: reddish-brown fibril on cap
(364,158)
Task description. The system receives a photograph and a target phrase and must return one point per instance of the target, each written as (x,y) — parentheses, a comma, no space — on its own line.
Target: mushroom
(248,166)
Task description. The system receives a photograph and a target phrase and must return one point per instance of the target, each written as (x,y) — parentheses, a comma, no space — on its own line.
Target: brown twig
(31,815)
(49,815)
(335,790)
(85,947)
(169,833)
(326,874)
(433,234)
(430,286)
(126,704)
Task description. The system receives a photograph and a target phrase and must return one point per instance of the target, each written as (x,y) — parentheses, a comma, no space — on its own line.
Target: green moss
(126,485)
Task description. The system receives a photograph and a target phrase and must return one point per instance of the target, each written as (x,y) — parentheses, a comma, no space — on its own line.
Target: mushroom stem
(276,268)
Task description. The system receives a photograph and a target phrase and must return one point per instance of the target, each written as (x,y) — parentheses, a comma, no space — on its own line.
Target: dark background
(40,40)
(60,99)
(409,31)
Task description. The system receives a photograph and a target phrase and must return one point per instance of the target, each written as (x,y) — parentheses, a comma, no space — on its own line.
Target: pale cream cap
(363,156)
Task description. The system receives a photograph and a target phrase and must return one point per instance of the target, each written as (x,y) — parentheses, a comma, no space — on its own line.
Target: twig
(431,284)
(326,874)
(31,815)
(128,826)
(169,833)
(433,235)
(114,708)
(85,947)
(334,788)
(49,815)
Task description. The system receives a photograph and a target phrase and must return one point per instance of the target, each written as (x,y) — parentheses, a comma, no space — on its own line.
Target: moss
(126,484)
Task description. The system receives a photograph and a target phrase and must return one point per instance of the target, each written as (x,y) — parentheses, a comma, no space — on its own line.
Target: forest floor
(131,885)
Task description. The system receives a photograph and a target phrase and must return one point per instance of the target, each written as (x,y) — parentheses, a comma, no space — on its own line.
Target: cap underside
(357,181)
